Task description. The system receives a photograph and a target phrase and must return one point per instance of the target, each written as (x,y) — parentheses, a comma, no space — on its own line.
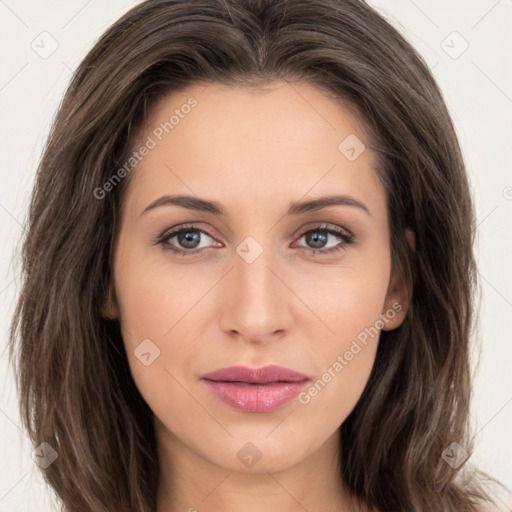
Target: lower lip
(255,397)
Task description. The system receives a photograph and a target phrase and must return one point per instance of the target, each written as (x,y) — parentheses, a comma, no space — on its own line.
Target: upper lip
(263,375)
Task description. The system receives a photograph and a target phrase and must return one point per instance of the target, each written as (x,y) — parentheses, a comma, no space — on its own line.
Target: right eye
(187,236)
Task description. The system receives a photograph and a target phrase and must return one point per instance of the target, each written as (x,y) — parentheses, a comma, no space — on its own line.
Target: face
(256,279)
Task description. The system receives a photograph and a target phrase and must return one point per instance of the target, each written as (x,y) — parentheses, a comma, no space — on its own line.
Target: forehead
(254,143)
(277,112)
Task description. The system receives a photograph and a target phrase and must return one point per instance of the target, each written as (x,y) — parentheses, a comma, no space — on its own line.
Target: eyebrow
(214,207)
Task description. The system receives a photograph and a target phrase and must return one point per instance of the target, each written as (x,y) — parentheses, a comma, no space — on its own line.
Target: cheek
(152,299)
(344,364)
(345,303)
(155,306)
(350,310)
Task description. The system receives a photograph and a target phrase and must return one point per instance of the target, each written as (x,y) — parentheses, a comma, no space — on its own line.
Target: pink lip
(255,390)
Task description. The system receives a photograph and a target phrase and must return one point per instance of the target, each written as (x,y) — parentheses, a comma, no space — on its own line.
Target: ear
(398,296)
(109,309)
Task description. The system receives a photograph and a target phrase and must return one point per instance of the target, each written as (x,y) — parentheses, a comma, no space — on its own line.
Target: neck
(191,483)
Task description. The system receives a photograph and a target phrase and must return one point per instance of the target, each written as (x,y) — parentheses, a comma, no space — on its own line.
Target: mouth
(255,390)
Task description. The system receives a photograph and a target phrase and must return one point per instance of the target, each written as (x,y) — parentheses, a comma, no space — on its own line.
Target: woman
(249,270)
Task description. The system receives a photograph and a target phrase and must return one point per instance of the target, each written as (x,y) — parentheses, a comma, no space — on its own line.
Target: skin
(255,152)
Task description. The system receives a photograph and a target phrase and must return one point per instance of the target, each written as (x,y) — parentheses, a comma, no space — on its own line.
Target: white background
(477,86)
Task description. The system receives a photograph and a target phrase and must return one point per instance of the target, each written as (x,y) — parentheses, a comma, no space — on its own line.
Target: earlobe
(395,308)
(398,295)
(394,314)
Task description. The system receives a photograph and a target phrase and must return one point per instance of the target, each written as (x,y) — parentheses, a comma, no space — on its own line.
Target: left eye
(319,236)
(188,237)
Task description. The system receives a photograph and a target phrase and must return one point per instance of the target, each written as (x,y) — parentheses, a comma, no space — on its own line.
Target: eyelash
(348,239)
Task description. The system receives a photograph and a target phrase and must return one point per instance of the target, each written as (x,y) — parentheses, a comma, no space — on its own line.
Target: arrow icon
(249,253)
(454,455)
(351,147)
(147,352)
(249,455)
(44,455)
(454,45)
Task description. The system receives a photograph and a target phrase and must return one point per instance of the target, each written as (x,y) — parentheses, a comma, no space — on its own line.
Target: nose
(257,305)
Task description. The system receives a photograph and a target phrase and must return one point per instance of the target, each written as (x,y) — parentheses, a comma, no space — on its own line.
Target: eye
(318,237)
(188,239)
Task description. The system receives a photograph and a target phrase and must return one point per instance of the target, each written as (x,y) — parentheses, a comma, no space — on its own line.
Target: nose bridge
(253,279)
(256,307)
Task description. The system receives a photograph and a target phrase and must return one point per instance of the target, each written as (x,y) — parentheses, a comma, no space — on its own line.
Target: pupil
(322,238)
(190,238)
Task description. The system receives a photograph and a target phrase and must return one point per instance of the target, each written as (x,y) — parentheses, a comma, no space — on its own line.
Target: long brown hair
(76,391)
